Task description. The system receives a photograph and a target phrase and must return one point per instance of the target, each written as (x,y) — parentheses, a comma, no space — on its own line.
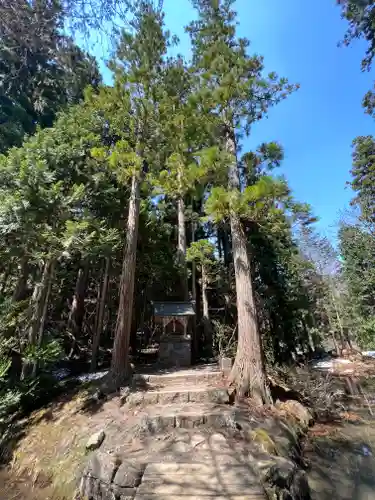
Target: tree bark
(99,323)
(182,248)
(248,372)
(77,310)
(44,313)
(6,275)
(39,307)
(120,366)
(206,313)
(20,292)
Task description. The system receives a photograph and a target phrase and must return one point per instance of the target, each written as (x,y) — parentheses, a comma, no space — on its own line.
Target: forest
(113,196)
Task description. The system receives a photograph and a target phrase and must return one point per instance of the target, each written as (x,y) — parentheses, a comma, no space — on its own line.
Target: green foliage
(357,248)
(360,15)
(201,251)
(41,70)
(363,176)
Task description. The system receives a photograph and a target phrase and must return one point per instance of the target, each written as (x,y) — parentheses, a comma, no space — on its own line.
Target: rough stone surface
(124,394)
(105,478)
(199,480)
(97,477)
(128,475)
(95,440)
(226,365)
(300,489)
(283,480)
(298,411)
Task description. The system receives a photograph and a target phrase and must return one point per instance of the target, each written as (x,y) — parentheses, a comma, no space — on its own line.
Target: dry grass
(50,455)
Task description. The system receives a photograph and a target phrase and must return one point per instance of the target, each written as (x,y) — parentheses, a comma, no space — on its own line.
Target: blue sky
(317,124)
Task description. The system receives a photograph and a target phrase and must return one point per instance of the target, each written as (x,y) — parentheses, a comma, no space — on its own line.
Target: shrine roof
(163,309)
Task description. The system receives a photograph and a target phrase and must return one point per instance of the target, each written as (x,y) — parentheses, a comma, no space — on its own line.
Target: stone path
(188,481)
(211,468)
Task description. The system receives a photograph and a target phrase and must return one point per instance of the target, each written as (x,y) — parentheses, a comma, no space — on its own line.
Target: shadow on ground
(343,462)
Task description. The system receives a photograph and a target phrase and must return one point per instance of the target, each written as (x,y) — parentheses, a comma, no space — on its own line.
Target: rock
(298,411)
(124,394)
(107,478)
(97,476)
(277,472)
(95,440)
(300,489)
(264,441)
(135,399)
(226,364)
(124,493)
(283,480)
(128,475)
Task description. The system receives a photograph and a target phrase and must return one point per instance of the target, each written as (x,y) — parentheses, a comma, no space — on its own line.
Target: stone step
(180,376)
(197,480)
(195,496)
(158,418)
(179,395)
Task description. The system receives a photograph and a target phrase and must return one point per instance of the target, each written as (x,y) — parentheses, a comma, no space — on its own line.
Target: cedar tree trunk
(248,372)
(120,366)
(182,247)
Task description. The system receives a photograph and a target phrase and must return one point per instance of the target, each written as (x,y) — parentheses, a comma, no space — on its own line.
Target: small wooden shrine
(175,318)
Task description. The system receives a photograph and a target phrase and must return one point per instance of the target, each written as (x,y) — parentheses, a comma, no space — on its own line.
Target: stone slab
(201,469)
(179,395)
(191,488)
(163,496)
(160,417)
(190,481)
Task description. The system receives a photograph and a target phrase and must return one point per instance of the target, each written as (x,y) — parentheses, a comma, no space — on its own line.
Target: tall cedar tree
(236,94)
(139,69)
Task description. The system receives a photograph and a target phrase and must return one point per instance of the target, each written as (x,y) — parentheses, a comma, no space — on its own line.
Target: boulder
(282,479)
(128,475)
(298,411)
(97,476)
(277,472)
(106,477)
(300,489)
(95,440)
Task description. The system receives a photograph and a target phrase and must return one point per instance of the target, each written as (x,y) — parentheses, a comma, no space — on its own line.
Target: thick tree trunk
(99,323)
(248,373)
(120,366)
(39,307)
(20,292)
(194,340)
(182,248)
(77,310)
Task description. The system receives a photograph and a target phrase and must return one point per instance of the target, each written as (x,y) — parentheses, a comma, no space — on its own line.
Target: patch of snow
(331,363)
(371,354)
(61,373)
(88,377)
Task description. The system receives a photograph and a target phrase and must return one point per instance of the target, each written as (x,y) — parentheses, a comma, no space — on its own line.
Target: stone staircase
(195,400)
(184,399)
